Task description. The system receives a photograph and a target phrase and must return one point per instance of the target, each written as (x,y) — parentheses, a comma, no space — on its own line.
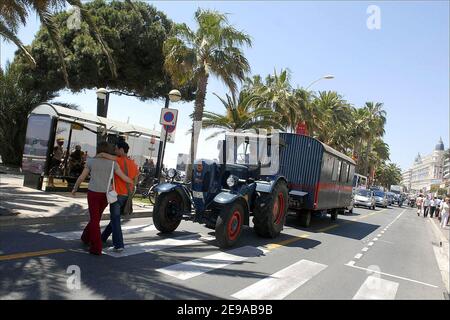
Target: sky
(403,64)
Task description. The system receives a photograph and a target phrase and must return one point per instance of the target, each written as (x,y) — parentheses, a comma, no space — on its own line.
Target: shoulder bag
(111,194)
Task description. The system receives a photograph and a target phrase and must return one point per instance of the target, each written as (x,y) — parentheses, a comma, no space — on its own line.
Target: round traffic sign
(168,116)
(169,129)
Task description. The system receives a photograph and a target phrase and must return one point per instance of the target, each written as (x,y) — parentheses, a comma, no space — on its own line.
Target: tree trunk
(200,96)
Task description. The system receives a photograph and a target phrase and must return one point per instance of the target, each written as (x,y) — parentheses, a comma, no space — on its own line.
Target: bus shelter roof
(88,118)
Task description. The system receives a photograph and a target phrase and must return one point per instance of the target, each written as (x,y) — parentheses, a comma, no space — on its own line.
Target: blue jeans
(114,225)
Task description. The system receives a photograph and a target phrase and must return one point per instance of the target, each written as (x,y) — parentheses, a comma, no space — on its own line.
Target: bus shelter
(76,134)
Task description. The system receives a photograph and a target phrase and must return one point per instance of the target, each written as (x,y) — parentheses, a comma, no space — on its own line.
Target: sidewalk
(21,205)
(441,250)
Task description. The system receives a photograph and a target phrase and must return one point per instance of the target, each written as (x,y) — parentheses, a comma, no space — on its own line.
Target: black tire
(166,205)
(270,211)
(334,215)
(350,211)
(229,224)
(304,217)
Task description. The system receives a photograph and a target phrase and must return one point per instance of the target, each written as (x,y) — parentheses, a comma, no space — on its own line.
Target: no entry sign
(168,117)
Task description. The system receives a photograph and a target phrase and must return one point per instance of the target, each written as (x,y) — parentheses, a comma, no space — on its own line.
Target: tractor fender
(169,187)
(225,198)
(267,186)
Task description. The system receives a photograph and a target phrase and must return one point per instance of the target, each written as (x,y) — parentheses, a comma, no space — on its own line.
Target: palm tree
(213,49)
(376,120)
(242,114)
(14,13)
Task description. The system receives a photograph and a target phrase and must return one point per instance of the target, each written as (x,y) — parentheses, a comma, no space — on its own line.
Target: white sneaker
(118,250)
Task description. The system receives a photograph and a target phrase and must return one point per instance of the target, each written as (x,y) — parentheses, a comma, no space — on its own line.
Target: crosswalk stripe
(75,235)
(377,288)
(193,268)
(282,283)
(158,245)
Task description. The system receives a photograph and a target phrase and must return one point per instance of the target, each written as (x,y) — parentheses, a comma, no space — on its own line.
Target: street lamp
(173,96)
(326,77)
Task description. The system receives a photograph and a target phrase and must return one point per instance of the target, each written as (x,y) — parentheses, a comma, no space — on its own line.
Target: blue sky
(405,64)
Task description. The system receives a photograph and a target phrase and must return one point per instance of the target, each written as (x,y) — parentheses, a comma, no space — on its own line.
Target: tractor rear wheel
(167,206)
(270,211)
(229,224)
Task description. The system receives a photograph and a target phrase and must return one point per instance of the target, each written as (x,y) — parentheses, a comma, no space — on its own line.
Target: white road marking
(351,263)
(370,244)
(76,235)
(375,239)
(158,245)
(282,283)
(391,275)
(377,288)
(193,268)
(379,235)
(364,249)
(358,256)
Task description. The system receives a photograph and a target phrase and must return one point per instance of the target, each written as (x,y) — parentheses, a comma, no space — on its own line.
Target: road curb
(9,221)
(441,252)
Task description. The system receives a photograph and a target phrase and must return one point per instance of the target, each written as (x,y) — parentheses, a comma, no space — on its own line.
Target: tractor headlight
(172,173)
(232,181)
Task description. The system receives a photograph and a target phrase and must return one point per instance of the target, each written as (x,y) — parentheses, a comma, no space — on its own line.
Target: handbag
(128,208)
(111,194)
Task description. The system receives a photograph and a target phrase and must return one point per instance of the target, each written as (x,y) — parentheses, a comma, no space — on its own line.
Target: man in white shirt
(432,207)
(426,206)
(438,205)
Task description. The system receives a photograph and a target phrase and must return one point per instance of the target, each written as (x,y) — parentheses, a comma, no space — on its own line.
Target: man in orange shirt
(129,167)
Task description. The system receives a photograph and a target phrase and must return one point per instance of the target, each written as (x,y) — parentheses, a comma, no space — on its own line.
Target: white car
(364,198)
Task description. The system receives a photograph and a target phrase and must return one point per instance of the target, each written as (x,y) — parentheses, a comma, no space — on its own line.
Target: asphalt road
(381,254)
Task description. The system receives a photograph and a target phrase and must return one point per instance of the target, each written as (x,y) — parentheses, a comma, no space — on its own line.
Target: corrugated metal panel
(300,163)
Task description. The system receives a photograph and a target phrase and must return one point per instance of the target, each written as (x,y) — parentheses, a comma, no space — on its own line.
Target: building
(426,170)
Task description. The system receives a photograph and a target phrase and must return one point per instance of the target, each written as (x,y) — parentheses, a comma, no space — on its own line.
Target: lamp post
(173,96)
(326,77)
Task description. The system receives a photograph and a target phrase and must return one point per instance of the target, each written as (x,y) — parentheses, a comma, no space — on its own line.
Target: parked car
(380,198)
(364,198)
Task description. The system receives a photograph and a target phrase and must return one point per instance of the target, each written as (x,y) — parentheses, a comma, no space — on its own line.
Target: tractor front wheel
(270,212)
(229,224)
(165,212)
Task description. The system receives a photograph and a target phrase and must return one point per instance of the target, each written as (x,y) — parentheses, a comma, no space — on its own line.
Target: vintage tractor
(287,171)
(223,196)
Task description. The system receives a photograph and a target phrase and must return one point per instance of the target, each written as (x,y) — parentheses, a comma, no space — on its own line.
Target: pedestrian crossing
(277,285)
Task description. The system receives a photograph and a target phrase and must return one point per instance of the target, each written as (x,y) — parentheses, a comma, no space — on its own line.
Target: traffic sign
(168,117)
(170,133)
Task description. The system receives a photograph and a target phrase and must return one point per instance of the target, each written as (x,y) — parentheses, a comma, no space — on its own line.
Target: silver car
(380,198)
(364,198)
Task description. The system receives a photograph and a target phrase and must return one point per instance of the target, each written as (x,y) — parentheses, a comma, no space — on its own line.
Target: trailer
(262,176)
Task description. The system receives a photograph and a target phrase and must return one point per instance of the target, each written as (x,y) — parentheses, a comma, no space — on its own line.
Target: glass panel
(36,143)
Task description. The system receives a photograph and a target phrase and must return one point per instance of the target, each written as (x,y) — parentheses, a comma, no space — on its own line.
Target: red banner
(302,129)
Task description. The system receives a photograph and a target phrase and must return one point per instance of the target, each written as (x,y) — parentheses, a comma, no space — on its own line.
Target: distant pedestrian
(100,174)
(124,191)
(426,206)
(445,207)
(438,205)
(432,207)
(419,202)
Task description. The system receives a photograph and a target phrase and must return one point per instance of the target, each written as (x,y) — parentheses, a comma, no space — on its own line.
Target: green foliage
(388,174)
(135,35)
(15,104)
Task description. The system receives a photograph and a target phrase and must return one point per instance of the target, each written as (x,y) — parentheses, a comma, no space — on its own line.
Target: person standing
(419,202)
(432,207)
(438,205)
(100,170)
(445,207)
(124,191)
(56,160)
(426,206)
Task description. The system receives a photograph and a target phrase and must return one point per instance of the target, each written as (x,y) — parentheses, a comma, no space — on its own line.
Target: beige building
(426,170)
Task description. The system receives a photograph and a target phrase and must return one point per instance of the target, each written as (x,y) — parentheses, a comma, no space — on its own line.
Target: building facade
(426,170)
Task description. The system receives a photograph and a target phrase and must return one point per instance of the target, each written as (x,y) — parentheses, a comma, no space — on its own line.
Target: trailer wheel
(270,212)
(167,205)
(304,217)
(229,224)
(334,215)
